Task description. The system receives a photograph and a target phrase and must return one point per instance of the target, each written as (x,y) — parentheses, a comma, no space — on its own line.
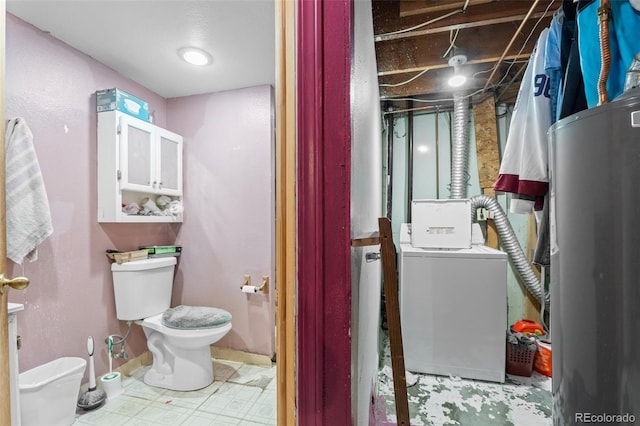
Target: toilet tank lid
(141,265)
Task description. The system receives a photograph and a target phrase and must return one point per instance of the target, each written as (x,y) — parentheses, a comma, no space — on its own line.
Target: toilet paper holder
(246,286)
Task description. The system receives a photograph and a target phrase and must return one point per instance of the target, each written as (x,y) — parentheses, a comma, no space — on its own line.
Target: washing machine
(453,310)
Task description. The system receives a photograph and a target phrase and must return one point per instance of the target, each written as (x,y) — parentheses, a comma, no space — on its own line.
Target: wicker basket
(128,256)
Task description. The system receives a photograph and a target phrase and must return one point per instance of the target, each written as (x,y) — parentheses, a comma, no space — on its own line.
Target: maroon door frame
(323,191)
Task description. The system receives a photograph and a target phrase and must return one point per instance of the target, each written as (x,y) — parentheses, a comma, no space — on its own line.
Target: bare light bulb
(457,80)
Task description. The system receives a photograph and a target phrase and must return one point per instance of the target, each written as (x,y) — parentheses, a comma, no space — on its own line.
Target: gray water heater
(594,161)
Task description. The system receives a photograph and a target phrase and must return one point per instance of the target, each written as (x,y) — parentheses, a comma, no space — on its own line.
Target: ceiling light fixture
(195,56)
(457,79)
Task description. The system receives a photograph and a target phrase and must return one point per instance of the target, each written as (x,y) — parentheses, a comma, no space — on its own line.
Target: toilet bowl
(181,357)
(179,338)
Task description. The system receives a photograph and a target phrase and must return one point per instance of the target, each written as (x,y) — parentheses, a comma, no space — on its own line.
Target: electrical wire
(452,41)
(407,81)
(525,42)
(431,21)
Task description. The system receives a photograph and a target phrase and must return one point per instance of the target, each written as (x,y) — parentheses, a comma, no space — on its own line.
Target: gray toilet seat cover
(189,317)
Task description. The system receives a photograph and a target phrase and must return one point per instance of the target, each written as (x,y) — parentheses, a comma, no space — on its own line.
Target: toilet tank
(142,288)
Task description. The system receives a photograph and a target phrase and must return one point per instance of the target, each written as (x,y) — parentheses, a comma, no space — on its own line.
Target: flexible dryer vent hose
(511,245)
(458,190)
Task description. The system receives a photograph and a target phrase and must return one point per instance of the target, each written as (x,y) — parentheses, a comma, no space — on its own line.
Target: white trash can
(49,392)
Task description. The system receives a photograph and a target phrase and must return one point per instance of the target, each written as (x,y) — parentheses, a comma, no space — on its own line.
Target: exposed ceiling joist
(460,26)
(415,39)
(411,8)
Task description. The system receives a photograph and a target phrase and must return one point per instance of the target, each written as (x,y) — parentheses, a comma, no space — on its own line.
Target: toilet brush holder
(112,384)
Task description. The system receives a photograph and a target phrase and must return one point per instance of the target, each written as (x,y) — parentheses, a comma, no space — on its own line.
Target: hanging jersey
(523,170)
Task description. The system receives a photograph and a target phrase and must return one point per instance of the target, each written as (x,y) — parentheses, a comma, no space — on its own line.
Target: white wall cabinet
(136,160)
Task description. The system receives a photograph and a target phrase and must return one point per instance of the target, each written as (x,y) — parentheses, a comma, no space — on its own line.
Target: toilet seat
(155,323)
(195,317)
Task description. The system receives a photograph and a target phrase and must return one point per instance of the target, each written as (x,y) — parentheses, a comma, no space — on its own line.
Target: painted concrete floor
(439,400)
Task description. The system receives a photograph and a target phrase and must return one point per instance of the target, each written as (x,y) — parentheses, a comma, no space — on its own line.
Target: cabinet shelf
(137,160)
(126,218)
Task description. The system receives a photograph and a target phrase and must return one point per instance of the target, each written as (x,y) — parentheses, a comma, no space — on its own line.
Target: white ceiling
(140,39)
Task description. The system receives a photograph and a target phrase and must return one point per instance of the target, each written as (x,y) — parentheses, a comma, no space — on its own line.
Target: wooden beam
(371,240)
(411,8)
(460,26)
(390,284)
(522,56)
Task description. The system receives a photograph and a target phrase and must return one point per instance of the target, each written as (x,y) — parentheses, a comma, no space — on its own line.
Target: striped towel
(28,215)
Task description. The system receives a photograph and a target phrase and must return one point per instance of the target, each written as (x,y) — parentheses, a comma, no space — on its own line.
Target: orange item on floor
(542,360)
(528,326)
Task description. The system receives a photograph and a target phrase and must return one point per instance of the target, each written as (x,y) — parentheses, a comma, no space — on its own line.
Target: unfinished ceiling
(414,41)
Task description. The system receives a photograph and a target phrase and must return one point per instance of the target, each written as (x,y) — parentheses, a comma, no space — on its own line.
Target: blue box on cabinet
(116,99)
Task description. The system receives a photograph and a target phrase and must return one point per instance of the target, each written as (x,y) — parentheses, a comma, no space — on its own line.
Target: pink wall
(52,87)
(229,224)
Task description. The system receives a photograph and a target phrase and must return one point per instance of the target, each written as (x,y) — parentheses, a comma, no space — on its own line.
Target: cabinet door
(137,154)
(169,163)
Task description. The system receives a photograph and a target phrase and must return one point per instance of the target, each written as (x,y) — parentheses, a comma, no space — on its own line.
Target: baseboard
(240,356)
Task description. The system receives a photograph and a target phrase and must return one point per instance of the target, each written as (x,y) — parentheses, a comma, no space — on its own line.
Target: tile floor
(241,394)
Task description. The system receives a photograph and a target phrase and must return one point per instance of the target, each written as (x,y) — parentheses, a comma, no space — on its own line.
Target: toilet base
(179,369)
(181,358)
(176,381)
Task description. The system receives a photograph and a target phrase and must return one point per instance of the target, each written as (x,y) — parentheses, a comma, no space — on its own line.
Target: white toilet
(179,338)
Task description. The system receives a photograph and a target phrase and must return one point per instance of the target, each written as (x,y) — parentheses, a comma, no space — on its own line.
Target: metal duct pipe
(460,148)
(511,245)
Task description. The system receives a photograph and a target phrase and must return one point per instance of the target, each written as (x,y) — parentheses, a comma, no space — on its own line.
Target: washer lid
(475,252)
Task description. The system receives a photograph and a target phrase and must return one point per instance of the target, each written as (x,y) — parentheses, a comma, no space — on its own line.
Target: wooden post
(532,306)
(390,284)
